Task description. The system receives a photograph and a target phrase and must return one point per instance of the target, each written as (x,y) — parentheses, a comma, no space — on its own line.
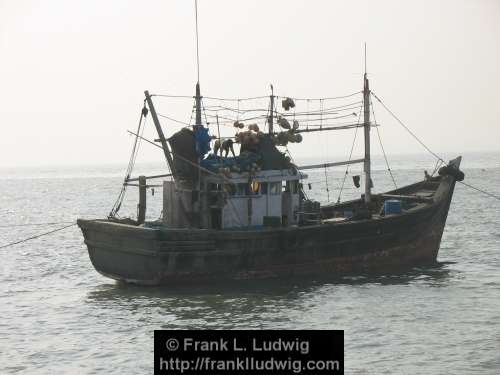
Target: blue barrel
(392,207)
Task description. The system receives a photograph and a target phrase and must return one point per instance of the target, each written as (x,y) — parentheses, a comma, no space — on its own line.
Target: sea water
(58,315)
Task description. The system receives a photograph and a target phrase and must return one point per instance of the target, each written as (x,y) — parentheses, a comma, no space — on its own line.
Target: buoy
(283,122)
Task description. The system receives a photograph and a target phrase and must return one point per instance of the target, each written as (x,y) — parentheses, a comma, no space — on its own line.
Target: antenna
(365,57)
(197,48)
(366,121)
(198,91)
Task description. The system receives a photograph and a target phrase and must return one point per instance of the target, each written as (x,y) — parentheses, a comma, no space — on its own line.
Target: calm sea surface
(59,316)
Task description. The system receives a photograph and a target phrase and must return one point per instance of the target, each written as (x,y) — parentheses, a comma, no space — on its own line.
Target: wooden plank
(326,165)
(414,198)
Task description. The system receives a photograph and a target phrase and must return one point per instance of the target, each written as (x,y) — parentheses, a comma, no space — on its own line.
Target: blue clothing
(202,140)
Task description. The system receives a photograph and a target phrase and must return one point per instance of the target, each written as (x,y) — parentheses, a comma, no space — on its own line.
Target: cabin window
(255,187)
(290,187)
(275,188)
(263,188)
(230,188)
(284,186)
(243,189)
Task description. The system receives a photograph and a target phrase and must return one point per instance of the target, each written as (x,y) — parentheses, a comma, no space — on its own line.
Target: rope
(34,224)
(330,98)
(436,156)
(407,129)
(235,99)
(173,119)
(130,167)
(254,97)
(37,236)
(382,146)
(172,96)
(480,190)
(350,155)
(436,167)
(327,189)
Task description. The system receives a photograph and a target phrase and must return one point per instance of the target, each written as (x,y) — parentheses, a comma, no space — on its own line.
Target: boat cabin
(267,198)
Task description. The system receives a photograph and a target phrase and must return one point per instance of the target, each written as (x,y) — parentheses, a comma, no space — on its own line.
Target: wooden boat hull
(152,256)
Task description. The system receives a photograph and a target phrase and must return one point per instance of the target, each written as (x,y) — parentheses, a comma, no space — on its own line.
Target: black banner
(249,352)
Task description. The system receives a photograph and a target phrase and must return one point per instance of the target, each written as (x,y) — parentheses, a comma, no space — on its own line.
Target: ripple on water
(61,315)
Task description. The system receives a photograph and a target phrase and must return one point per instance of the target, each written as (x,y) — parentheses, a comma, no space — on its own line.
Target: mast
(271,113)
(198,104)
(198,92)
(366,124)
(163,141)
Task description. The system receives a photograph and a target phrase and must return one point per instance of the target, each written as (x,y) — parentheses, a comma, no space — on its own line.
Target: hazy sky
(72,73)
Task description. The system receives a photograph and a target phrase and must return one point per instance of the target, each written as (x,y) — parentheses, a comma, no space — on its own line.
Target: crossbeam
(326,165)
(149,177)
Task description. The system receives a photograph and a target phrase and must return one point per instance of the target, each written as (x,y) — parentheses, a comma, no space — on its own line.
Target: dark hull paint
(172,256)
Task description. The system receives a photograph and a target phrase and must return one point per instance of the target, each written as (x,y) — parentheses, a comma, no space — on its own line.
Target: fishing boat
(247,216)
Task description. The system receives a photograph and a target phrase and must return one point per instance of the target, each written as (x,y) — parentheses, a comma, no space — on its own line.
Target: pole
(198,104)
(271,112)
(141,207)
(166,149)
(366,123)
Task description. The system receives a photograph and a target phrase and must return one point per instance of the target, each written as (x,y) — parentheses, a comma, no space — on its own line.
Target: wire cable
(382,146)
(350,156)
(34,224)
(480,190)
(37,236)
(407,129)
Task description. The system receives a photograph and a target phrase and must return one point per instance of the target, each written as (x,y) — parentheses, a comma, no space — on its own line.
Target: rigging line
(339,108)
(382,146)
(204,112)
(36,236)
(116,206)
(326,183)
(316,114)
(350,156)
(327,118)
(407,129)
(436,167)
(321,113)
(188,161)
(238,112)
(35,224)
(172,96)
(307,116)
(138,145)
(173,119)
(197,48)
(480,190)
(326,151)
(192,114)
(217,108)
(328,98)
(235,99)
(262,117)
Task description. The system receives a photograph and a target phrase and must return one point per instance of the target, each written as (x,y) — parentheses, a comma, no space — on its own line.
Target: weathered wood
(366,123)
(326,165)
(271,112)
(412,198)
(149,177)
(166,255)
(141,207)
(166,149)
(325,128)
